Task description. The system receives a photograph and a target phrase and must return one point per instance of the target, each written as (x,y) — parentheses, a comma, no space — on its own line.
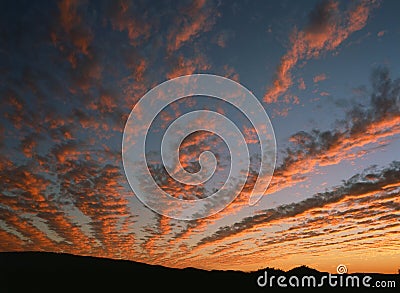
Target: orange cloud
(193,20)
(319,77)
(324,94)
(302,84)
(9,241)
(30,199)
(68,14)
(182,66)
(79,34)
(17,114)
(250,135)
(28,144)
(327,29)
(381,34)
(229,72)
(67,151)
(123,19)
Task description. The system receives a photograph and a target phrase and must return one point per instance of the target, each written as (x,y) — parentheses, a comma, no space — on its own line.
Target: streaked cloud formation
(363,212)
(72,70)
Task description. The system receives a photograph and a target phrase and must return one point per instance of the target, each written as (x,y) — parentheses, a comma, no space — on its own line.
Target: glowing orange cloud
(194,19)
(327,30)
(182,66)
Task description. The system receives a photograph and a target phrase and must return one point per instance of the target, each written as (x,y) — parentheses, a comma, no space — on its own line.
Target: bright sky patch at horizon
(326,72)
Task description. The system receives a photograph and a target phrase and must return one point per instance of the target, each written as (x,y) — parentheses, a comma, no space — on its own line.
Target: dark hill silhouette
(304,270)
(57,272)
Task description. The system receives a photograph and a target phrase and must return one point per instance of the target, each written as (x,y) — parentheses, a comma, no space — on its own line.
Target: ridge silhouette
(55,272)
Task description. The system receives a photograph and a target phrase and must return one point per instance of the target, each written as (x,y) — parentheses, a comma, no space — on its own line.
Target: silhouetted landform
(55,272)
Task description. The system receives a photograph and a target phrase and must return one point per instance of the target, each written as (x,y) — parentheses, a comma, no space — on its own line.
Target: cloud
(322,17)
(223,37)
(38,199)
(10,238)
(324,94)
(70,150)
(362,129)
(27,208)
(17,115)
(186,66)
(74,29)
(230,72)
(86,74)
(49,149)
(328,27)
(319,77)
(196,18)
(302,84)
(123,18)
(357,199)
(381,33)
(250,135)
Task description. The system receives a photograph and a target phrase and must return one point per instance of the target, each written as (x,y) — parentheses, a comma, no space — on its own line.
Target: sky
(326,73)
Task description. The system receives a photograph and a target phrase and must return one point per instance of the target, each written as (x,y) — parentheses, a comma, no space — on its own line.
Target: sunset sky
(326,72)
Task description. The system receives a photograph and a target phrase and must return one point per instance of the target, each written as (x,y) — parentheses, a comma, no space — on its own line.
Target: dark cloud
(383,106)
(322,16)
(75,30)
(385,99)
(124,16)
